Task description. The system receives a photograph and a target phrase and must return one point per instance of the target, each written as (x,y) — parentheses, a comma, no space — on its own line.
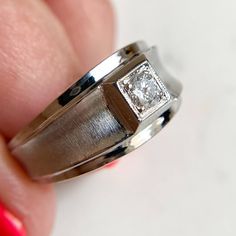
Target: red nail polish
(112,164)
(9,224)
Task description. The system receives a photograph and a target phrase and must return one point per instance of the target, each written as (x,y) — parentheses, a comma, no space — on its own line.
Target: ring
(113,109)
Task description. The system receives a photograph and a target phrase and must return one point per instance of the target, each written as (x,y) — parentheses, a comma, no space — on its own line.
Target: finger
(30,203)
(37,62)
(90,26)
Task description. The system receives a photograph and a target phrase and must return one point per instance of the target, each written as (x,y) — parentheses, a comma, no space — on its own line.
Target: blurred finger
(90,26)
(37,62)
(28,206)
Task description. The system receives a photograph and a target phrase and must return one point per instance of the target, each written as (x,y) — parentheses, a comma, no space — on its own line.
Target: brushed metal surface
(84,131)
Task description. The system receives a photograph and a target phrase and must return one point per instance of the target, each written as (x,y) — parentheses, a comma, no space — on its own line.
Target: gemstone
(143,90)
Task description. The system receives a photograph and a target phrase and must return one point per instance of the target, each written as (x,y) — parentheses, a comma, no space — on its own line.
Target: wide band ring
(114,108)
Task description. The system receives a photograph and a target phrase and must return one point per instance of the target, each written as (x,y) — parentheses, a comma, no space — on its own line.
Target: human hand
(43,45)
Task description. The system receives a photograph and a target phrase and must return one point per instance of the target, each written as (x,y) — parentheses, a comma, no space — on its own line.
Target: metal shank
(91,124)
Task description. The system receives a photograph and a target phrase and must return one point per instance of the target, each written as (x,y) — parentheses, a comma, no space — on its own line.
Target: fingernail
(112,164)
(9,224)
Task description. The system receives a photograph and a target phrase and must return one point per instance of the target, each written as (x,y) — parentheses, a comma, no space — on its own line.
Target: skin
(44,45)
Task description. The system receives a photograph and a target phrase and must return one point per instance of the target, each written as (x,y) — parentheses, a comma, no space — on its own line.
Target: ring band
(113,109)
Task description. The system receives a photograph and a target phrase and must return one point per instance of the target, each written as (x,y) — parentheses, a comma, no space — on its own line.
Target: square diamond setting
(143,90)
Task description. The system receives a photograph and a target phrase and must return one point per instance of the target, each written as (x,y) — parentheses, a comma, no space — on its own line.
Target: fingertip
(33,204)
(10,225)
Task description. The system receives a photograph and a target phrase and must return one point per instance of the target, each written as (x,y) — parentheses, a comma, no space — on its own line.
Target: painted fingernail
(112,164)
(9,224)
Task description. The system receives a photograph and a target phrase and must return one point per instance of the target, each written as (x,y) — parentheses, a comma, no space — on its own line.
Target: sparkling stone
(143,90)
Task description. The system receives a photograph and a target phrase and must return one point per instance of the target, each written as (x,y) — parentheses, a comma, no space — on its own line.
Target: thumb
(25,206)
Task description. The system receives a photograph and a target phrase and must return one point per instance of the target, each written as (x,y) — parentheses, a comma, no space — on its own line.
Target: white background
(183,182)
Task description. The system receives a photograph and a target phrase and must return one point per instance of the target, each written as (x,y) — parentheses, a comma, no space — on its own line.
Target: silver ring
(113,109)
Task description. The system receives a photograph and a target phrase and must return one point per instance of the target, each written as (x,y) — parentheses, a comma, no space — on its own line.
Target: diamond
(143,90)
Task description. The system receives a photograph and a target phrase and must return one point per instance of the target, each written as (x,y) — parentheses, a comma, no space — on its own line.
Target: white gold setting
(143,90)
(110,111)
